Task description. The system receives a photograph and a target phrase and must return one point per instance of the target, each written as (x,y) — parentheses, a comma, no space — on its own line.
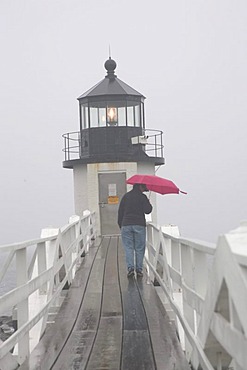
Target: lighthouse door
(112,186)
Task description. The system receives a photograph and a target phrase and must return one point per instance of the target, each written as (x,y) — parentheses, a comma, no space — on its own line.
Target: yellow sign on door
(113,200)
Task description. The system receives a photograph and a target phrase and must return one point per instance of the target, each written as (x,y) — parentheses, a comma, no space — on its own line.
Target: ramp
(108,321)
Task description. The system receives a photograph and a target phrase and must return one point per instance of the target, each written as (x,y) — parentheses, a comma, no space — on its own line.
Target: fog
(187,57)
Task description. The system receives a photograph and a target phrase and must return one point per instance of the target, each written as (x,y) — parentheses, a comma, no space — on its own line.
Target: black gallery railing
(81,144)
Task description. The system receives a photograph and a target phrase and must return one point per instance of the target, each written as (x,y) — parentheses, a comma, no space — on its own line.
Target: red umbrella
(155,183)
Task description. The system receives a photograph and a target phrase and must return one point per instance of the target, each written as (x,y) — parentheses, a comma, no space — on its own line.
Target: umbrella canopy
(155,183)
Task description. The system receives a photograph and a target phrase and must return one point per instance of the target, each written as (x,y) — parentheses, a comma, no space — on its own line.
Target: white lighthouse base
(86,185)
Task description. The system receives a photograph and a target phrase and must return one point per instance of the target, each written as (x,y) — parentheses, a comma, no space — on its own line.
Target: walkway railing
(44,267)
(205,286)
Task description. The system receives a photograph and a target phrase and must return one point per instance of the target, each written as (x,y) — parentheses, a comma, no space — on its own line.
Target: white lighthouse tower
(112,145)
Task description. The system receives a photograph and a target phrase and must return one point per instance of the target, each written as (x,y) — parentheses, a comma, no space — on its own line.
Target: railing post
(187,273)
(87,229)
(68,147)
(157,247)
(51,256)
(161,145)
(172,249)
(200,276)
(42,265)
(76,236)
(155,145)
(176,262)
(65,148)
(22,307)
(93,226)
(173,231)
(148,253)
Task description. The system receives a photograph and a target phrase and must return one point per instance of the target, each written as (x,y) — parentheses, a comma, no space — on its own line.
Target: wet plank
(77,350)
(137,352)
(112,305)
(106,353)
(166,347)
(75,354)
(134,314)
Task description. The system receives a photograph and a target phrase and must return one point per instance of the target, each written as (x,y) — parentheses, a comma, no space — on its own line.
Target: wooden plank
(166,346)
(134,314)
(106,353)
(112,305)
(77,350)
(137,350)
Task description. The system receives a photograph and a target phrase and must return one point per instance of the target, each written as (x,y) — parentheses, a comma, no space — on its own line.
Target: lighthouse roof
(110,85)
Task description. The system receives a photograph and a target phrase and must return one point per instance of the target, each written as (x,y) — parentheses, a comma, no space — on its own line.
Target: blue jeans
(134,242)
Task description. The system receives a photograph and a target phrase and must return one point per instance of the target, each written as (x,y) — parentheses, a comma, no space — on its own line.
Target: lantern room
(111,103)
(112,126)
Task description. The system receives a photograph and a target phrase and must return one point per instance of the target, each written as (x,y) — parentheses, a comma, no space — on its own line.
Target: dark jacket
(133,207)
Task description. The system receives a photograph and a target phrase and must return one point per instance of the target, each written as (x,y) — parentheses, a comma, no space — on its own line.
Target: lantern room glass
(111,113)
(84,116)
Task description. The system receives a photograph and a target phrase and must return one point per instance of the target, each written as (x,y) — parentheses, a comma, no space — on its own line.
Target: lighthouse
(111,145)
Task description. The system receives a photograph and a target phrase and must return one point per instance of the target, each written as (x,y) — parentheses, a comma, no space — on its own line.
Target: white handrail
(43,267)
(205,285)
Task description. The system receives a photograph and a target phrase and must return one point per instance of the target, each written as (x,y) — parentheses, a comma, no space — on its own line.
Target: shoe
(130,272)
(139,273)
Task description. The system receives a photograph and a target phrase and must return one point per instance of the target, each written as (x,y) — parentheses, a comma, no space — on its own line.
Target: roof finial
(110,66)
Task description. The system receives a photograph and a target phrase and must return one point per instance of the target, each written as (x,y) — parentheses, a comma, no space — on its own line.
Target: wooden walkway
(108,321)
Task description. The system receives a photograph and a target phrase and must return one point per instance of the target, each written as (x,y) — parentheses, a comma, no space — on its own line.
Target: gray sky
(188,57)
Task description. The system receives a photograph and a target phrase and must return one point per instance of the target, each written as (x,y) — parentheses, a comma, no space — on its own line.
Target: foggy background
(187,57)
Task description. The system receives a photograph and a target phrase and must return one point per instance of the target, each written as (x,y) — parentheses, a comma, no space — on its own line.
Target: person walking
(131,220)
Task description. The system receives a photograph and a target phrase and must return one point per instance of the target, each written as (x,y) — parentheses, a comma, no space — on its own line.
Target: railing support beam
(22,307)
